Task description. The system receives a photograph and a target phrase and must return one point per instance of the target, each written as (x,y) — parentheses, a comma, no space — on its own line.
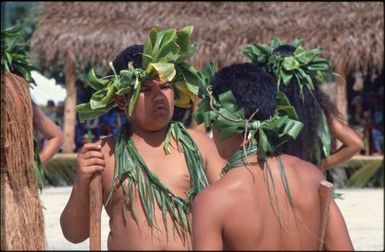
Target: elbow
(60,139)
(70,232)
(357,145)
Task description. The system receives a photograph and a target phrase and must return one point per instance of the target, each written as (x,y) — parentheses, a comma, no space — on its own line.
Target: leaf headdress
(224,115)
(165,54)
(14,57)
(303,65)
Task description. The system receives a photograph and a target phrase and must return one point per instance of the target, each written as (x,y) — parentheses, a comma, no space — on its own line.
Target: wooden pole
(325,193)
(96,204)
(70,103)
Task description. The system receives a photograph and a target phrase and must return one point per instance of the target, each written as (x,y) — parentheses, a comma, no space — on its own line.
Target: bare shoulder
(221,194)
(304,168)
(199,137)
(212,199)
(204,143)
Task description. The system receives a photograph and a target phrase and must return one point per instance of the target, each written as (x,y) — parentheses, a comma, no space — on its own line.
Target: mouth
(160,108)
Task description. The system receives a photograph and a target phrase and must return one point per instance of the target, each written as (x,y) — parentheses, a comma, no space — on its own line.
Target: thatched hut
(351,33)
(22,220)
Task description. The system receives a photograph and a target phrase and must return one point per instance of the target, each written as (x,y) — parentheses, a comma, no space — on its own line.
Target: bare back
(249,217)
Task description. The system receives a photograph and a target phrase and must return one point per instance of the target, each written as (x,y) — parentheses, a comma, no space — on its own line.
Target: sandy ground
(363,210)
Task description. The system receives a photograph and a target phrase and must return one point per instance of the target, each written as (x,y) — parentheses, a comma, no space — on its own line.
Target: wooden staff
(325,193)
(96,203)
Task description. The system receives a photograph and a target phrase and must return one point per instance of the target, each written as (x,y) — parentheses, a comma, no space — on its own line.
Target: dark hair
(129,54)
(308,110)
(253,88)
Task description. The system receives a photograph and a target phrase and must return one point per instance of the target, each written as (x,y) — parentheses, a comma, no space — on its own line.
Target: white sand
(363,210)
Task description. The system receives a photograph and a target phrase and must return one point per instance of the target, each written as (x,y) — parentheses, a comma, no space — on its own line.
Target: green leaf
(290,63)
(190,76)
(362,176)
(183,41)
(86,112)
(133,101)
(165,71)
(94,82)
(149,47)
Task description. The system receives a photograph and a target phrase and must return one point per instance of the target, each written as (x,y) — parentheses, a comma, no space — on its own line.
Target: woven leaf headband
(14,54)
(223,115)
(165,54)
(301,65)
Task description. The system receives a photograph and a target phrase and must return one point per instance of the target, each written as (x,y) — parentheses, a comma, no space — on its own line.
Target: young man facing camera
(154,167)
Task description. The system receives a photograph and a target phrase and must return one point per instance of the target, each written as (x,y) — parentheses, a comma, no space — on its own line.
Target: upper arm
(45,125)
(348,136)
(206,225)
(337,236)
(213,161)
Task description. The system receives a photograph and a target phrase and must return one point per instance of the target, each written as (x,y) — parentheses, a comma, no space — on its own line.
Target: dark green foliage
(60,171)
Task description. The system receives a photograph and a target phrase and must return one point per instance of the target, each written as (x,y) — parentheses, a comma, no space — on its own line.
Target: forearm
(50,149)
(342,154)
(74,219)
(351,144)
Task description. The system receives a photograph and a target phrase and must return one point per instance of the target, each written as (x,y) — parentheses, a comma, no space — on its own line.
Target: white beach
(363,210)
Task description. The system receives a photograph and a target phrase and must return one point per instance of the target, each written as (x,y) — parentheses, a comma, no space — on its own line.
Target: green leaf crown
(223,115)
(14,57)
(165,54)
(303,65)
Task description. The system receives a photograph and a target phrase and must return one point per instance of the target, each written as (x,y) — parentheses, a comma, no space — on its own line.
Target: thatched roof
(352,34)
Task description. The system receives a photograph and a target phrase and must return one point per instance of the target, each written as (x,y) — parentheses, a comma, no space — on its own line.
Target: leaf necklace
(130,166)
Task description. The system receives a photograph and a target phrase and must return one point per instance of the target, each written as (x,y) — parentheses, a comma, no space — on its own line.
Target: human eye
(144,89)
(166,85)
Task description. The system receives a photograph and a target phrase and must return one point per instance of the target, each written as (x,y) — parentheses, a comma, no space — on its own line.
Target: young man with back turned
(264,201)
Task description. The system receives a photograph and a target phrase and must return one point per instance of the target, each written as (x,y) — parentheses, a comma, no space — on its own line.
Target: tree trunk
(70,104)
(22,220)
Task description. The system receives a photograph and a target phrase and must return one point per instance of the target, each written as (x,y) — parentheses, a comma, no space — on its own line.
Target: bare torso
(127,234)
(249,221)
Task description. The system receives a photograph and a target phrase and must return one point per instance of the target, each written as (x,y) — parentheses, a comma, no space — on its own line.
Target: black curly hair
(129,54)
(253,88)
(308,110)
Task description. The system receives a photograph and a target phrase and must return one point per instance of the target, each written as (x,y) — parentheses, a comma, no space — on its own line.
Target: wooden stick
(96,204)
(325,193)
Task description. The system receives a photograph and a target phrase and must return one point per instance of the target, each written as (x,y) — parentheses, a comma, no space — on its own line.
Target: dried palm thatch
(22,220)
(351,33)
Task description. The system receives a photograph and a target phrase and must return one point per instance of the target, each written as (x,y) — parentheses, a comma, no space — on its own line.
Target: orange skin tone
(149,123)
(351,144)
(50,131)
(236,214)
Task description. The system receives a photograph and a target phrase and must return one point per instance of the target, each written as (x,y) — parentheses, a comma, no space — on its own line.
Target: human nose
(158,94)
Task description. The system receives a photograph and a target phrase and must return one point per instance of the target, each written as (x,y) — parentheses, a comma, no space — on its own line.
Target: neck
(153,138)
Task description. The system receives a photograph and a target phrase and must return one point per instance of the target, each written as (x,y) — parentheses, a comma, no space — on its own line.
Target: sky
(46,89)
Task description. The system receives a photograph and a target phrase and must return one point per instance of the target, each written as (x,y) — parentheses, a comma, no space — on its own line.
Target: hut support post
(341,97)
(70,104)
